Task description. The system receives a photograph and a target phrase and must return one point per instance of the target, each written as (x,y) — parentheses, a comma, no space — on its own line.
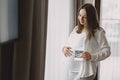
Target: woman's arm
(104,51)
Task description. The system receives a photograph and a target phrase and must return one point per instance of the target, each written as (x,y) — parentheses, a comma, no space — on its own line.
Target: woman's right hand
(67,51)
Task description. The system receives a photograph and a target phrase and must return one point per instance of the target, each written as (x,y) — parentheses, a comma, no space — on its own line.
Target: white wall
(60,23)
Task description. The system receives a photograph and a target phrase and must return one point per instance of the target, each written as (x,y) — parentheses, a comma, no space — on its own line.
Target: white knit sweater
(97,46)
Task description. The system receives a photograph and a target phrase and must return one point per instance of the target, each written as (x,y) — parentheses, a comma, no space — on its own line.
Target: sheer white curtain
(60,21)
(110,20)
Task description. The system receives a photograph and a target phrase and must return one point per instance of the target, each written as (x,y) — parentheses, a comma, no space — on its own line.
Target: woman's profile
(86,46)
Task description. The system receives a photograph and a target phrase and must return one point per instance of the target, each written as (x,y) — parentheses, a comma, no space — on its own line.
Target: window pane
(110,21)
(8,20)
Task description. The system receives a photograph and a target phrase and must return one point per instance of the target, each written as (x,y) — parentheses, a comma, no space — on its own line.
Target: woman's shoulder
(100,30)
(75,28)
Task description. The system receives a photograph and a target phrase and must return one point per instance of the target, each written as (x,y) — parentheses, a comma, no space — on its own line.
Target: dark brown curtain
(78,3)
(24,59)
(97,5)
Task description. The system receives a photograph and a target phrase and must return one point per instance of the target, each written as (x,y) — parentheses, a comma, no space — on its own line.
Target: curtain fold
(97,5)
(78,3)
(39,40)
(22,48)
(30,50)
(27,54)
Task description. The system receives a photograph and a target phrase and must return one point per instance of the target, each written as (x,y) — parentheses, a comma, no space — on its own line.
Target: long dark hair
(92,20)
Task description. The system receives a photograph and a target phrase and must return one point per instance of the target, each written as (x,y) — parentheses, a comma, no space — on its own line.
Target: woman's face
(82,17)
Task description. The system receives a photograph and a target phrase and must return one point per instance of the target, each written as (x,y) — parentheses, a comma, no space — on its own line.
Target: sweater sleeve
(104,51)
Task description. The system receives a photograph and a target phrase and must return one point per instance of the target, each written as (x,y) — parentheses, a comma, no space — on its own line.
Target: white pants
(73,68)
(88,78)
(74,74)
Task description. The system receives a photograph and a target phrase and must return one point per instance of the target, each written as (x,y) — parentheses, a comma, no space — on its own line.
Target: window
(110,20)
(8,20)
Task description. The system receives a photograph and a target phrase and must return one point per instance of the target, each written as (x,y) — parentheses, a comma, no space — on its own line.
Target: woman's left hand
(86,55)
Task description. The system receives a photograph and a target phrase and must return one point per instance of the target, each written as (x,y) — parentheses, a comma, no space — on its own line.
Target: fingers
(67,52)
(68,47)
(86,55)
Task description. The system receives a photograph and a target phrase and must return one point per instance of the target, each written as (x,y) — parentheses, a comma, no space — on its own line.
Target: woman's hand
(67,51)
(86,55)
